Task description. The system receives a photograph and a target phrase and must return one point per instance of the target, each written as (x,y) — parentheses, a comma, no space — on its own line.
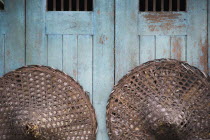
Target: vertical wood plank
(178,47)
(103,61)
(55,51)
(209,37)
(197,46)
(36,48)
(85,62)
(163,47)
(2,53)
(70,55)
(15,34)
(127,40)
(147,48)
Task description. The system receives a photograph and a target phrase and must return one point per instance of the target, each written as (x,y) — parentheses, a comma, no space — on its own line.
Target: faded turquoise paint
(209,37)
(82,43)
(13,29)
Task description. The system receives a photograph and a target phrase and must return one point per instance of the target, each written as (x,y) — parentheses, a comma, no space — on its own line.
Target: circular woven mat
(42,103)
(160,100)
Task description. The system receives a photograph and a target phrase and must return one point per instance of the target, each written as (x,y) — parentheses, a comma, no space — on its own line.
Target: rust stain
(203,59)
(161,17)
(103,39)
(99,12)
(177,49)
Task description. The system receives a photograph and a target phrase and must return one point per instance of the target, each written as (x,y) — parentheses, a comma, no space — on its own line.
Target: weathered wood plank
(103,61)
(85,70)
(36,48)
(163,47)
(147,48)
(162,23)
(70,55)
(69,22)
(15,34)
(2,22)
(127,41)
(55,51)
(197,46)
(2,47)
(178,47)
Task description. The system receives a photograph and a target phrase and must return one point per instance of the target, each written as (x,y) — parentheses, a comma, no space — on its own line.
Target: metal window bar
(164,5)
(77,5)
(178,5)
(70,5)
(146,5)
(170,5)
(62,5)
(85,5)
(154,5)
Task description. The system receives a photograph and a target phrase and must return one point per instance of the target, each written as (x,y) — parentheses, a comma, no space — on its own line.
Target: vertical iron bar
(170,5)
(146,5)
(70,5)
(178,5)
(162,5)
(154,5)
(47,5)
(54,5)
(85,6)
(62,5)
(77,5)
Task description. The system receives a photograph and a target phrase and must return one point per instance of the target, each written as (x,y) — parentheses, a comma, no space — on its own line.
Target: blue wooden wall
(97,48)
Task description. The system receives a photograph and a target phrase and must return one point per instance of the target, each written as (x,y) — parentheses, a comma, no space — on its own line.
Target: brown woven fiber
(163,99)
(41,103)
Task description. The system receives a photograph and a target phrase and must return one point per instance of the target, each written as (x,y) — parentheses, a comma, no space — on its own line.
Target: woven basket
(160,100)
(38,102)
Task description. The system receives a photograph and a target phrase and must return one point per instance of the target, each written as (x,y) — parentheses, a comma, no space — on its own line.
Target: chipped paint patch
(203,59)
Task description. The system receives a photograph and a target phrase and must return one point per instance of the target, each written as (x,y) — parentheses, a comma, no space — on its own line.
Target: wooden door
(12,35)
(152,33)
(80,43)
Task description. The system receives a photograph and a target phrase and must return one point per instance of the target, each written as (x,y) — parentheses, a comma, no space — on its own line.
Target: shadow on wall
(1,4)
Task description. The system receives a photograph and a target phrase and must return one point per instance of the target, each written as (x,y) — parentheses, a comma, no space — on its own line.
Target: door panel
(179,35)
(79,43)
(12,35)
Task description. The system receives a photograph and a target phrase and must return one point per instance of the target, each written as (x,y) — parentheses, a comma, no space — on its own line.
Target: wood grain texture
(197,46)
(69,22)
(85,63)
(127,41)
(103,61)
(14,34)
(70,53)
(55,51)
(36,47)
(163,47)
(178,47)
(147,48)
(2,52)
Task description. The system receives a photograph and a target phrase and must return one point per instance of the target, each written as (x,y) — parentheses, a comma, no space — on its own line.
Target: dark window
(162,5)
(1,4)
(70,5)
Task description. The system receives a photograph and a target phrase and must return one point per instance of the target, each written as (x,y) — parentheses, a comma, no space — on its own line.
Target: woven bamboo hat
(160,100)
(38,102)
